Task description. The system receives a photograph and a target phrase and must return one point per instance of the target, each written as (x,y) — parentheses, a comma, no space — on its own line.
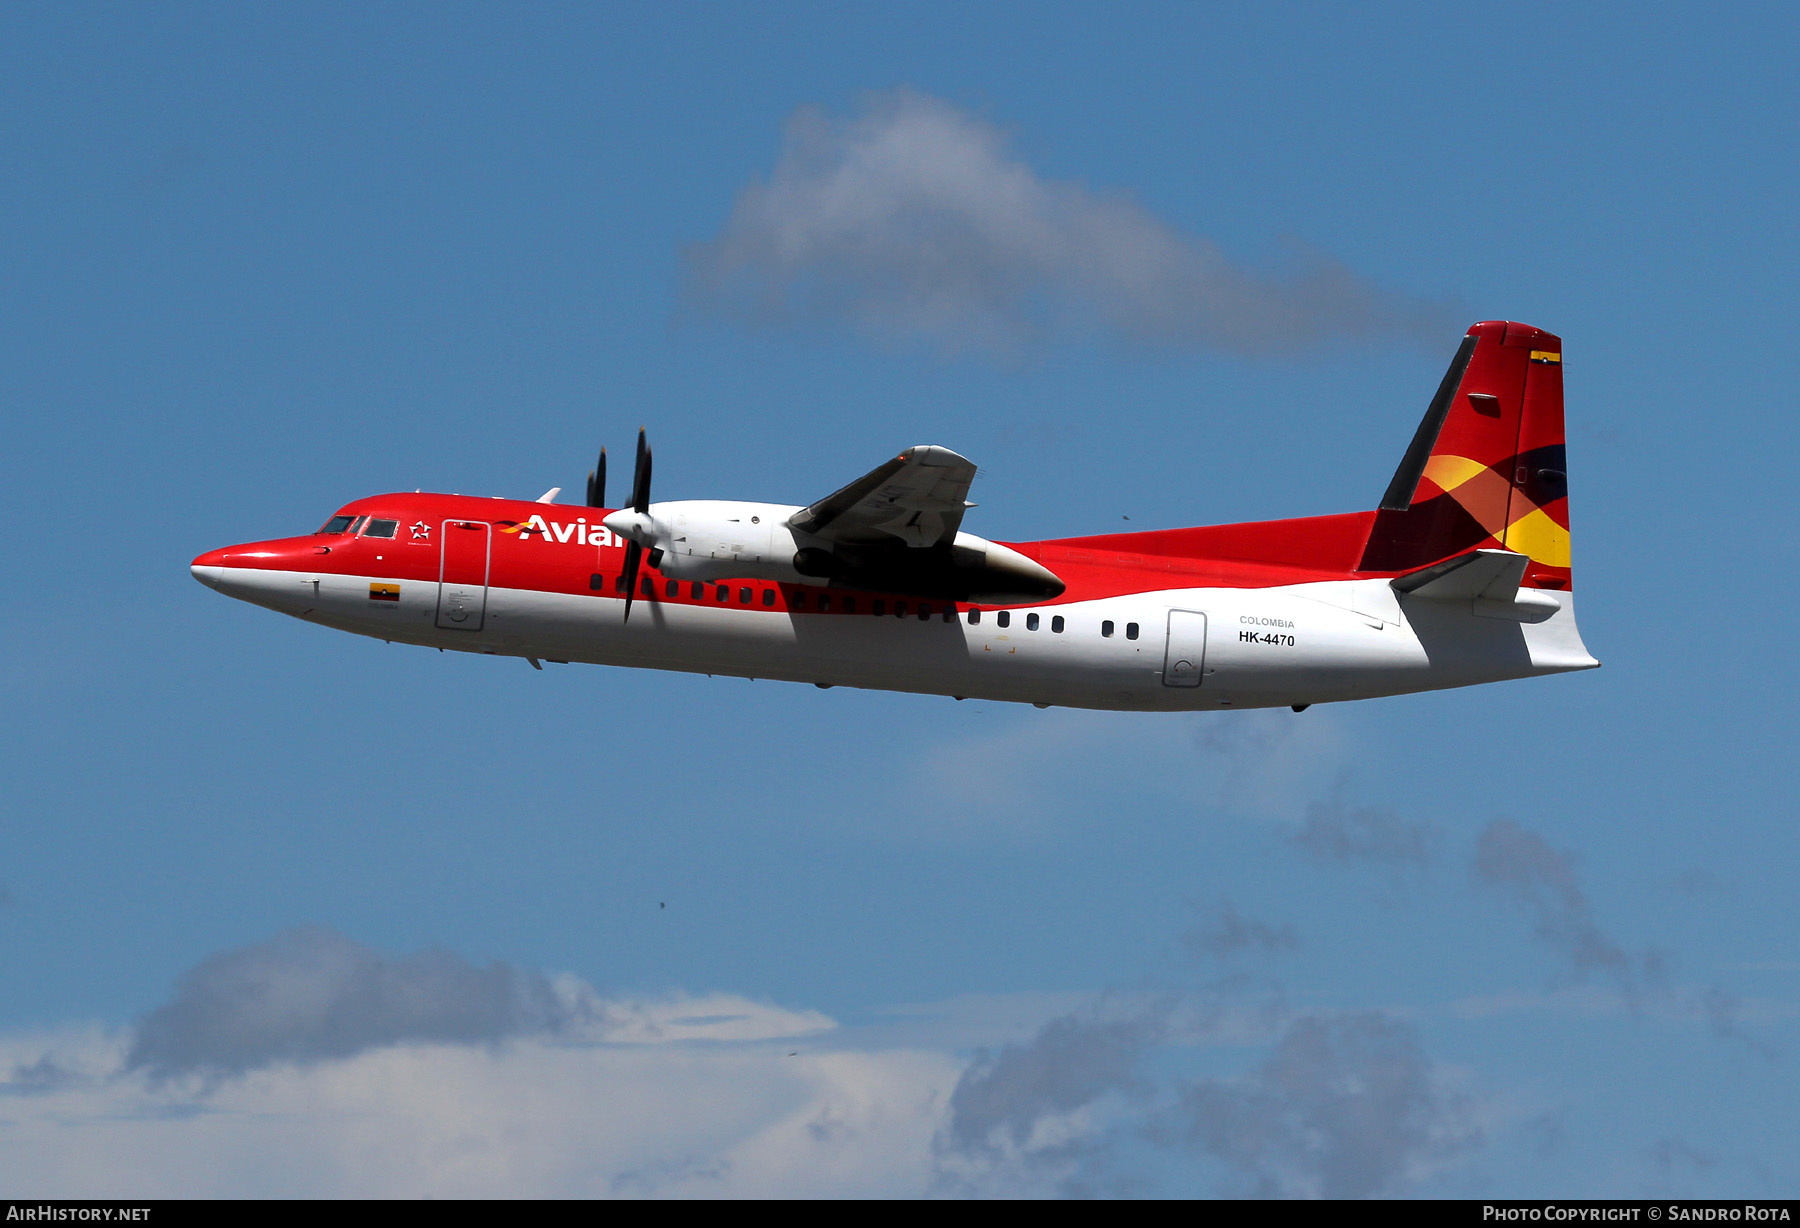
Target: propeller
(596,494)
(636,523)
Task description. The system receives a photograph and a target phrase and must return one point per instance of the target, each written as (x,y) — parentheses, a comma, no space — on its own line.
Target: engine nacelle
(706,539)
(716,539)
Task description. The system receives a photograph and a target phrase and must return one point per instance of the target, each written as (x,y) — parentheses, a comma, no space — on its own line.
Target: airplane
(1460,576)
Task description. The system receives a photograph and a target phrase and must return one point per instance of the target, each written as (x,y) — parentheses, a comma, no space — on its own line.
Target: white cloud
(591,1095)
(913,219)
(717,1017)
(713,1095)
(537,1116)
(310,1064)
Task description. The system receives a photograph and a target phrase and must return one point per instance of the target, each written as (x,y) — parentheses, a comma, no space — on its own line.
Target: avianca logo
(581,533)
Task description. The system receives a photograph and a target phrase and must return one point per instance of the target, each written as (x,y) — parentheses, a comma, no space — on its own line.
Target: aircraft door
(463,575)
(1185,656)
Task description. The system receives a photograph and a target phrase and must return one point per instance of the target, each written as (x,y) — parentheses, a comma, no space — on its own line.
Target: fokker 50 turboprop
(1460,576)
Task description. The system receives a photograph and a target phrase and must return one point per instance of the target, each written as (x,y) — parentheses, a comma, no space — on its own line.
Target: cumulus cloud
(1022,1118)
(913,219)
(313,993)
(1343,1105)
(44,1073)
(1070,1063)
(1347,1106)
(310,1064)
(537,1116)
(1542,882)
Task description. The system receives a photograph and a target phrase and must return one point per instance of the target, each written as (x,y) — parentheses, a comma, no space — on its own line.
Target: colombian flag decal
(384,592)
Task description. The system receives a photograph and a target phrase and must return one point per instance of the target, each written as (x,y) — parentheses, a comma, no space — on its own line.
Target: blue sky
(258,261)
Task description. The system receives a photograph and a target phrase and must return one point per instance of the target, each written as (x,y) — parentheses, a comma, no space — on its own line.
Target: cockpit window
(337,524)
(381,528)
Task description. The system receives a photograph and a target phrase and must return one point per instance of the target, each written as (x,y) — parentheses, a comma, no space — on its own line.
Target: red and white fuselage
(1436,589)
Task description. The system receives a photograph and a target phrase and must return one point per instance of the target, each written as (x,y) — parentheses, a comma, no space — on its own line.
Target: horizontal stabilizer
(1493,574)
(1488,579)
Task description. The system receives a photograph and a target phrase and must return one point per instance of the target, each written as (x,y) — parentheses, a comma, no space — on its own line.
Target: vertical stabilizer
(1487,468)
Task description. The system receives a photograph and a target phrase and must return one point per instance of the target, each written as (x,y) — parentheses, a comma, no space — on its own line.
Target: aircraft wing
(918,499)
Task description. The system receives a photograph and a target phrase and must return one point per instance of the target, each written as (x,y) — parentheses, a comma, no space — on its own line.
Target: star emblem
(421,532)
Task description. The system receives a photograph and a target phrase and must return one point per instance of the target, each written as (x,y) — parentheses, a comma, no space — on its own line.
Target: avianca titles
(1460,576)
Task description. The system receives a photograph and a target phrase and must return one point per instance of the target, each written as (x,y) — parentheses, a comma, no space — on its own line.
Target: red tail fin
(1487,468)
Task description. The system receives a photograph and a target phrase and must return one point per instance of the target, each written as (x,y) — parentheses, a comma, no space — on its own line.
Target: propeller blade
(596,494)
(640,476)
(640,502)
(633,552)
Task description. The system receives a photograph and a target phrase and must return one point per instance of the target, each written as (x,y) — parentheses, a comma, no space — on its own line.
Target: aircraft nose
(210,566)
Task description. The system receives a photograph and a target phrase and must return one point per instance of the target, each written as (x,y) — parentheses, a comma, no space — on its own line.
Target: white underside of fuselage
(1262,647)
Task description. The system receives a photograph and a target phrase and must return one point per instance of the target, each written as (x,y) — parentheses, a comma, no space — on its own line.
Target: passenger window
(974,617)
(697,591)
(1031,621)
(648,587)
(849,605)
(597,582)
(619,583)
(768,596)
(879,608)
(1131,631)
(797,601)
(1106,629)
(381,528)
(924,612)
(724,593)
(672,588)
(337,524)
(1056,624)
(744,595)
(899,609)
(1003,618)
(949,613)
(824,602)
